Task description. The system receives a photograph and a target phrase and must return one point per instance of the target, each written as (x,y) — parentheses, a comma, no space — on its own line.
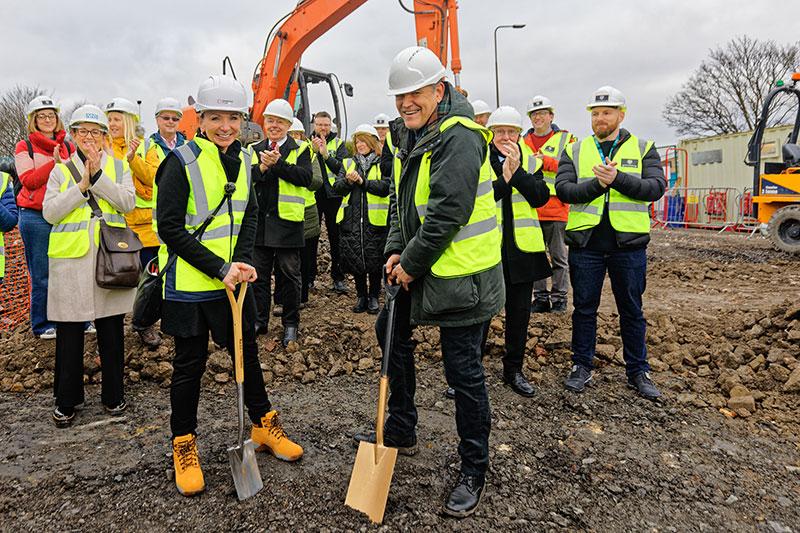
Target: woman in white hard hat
(34,159)
(123,118)
(363,218)
(482,111)
(88,182)
(144,158)
(207,217)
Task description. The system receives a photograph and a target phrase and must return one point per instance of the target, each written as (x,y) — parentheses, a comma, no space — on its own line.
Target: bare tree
(725,94)
(13,119)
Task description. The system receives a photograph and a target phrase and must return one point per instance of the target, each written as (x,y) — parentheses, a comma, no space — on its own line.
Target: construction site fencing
(717,208)
(15,293)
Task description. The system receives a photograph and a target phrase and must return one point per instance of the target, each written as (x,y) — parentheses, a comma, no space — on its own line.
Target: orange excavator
(279,73)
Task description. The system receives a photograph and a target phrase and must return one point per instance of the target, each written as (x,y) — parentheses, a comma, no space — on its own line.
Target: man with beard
(610,179)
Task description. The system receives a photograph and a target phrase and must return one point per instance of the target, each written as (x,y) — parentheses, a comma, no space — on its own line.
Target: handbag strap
(96,211)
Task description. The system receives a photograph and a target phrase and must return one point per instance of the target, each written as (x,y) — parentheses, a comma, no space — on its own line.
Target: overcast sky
(145,50)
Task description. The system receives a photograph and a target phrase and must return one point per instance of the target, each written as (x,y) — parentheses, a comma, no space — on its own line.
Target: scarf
(46,145)
(365,162)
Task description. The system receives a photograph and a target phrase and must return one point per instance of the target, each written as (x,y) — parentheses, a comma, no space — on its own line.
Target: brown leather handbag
(118,264)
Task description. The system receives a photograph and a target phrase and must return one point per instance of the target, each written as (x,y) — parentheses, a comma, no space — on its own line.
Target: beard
(603,131)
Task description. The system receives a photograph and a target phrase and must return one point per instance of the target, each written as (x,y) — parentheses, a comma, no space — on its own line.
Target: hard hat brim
(433,80)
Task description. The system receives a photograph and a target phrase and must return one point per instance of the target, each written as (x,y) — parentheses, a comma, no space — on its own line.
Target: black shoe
(450,393)
(372,306)
(118,410)
(340,287)
(559,307)
(302,305)
(261,328)
(519,384)
(579,377)
(63,418)
(465,496)
(289,335)
(642,383)
(277,310)
(540,306)
(361,305)
(404,447)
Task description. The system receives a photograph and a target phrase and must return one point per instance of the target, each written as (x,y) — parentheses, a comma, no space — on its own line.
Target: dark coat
(330,167)
(272,230)
(457,155)
(647,189)
(360,242)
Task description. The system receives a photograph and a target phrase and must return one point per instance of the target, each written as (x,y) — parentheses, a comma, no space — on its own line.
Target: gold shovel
(244,467)
(372,471)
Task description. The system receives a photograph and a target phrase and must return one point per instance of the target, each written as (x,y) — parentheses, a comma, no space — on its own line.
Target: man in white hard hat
(381,125)
(144,159)
(443,249)
(282,175)
(609,179)
(482,111)
(548,142)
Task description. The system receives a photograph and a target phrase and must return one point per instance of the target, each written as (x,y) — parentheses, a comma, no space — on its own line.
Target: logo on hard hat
(110,105)
(93,115)
(224,101)
(47,102)
(601,98)
(538,103)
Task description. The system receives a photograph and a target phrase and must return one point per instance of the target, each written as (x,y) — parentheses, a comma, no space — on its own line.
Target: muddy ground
(722,452)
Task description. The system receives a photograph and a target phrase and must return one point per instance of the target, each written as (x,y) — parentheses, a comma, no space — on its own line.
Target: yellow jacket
(144,172)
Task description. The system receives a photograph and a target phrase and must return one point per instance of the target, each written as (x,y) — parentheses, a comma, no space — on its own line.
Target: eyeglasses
(46,116)
(83,132)
(540,113)
(170,119)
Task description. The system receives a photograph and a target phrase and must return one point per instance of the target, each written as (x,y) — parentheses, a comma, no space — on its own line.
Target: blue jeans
(627,270)
(35,232)
(463,369)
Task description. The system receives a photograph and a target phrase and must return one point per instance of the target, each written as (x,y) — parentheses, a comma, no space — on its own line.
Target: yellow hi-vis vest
(528,234)
(141,151)
(553,148)
(396,163)
(291,198)
(4,182)
(625,214)
(308,194)
(377,206)
(333,145)
(207,181)
(476,246)
(69,238)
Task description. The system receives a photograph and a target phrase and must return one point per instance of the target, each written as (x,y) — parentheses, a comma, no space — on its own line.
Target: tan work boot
(188,475)
(269,435)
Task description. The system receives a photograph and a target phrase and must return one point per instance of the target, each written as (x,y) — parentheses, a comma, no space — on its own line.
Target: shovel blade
(244,467)
(371,479)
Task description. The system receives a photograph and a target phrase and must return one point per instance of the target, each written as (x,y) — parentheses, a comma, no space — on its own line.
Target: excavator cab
(776,186)
(304,111)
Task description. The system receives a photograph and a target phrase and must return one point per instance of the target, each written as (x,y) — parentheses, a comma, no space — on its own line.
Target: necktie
(272,146)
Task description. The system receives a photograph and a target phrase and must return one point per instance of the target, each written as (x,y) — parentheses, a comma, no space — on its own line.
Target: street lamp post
(496,72)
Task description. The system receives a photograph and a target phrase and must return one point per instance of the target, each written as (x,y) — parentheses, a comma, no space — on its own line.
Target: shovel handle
(383,390)
(237,304)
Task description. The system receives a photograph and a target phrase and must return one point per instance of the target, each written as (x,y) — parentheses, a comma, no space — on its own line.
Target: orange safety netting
(15,293)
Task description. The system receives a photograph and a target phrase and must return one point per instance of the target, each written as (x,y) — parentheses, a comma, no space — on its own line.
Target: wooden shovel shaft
(383,390)
(238,344)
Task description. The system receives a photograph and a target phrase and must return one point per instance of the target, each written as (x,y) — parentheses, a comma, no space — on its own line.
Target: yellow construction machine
(776,187)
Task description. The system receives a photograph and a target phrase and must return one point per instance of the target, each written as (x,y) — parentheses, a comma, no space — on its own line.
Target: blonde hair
(32,122)
(129,124)
(373,143)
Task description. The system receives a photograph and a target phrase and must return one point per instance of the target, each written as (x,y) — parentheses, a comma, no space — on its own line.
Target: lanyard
(600,150)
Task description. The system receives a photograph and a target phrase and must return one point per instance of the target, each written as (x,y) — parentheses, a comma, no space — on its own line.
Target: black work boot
(406,446)
(540,306)
(579,377)
(559,307)
(373,306)
(289,335)
(339,287)
(642,384)
(519,383)
(465,496)
(361,305)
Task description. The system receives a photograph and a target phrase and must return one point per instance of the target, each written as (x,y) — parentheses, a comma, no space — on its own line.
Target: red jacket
(34,173)
(554,209)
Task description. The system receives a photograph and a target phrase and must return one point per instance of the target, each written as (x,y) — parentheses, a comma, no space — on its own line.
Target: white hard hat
(280,108)
(221,93)
(480,107)
(414,68)
(381,120)
(505,116)
(607,96)
(297,126)
(366,129)
(123,105)
(88,113)
(334,128)
(169,104)
(42,102)
(539,102)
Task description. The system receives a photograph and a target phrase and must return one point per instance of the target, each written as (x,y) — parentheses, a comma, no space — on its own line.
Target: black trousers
(518,315)
(461,354)
(287,261)
(69,361)
(375,284)
(327,209)
(308,266)
(188,366)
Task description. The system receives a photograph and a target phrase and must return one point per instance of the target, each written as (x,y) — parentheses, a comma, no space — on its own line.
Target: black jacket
(360,242)
(330,167)
(649,188)
(457,155)
(272,230)
(519,266)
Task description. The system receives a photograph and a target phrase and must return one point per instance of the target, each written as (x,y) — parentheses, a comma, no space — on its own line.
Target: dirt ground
(721,452)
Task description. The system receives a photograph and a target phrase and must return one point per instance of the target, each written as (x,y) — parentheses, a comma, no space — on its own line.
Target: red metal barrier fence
(719,208)
(16,289)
